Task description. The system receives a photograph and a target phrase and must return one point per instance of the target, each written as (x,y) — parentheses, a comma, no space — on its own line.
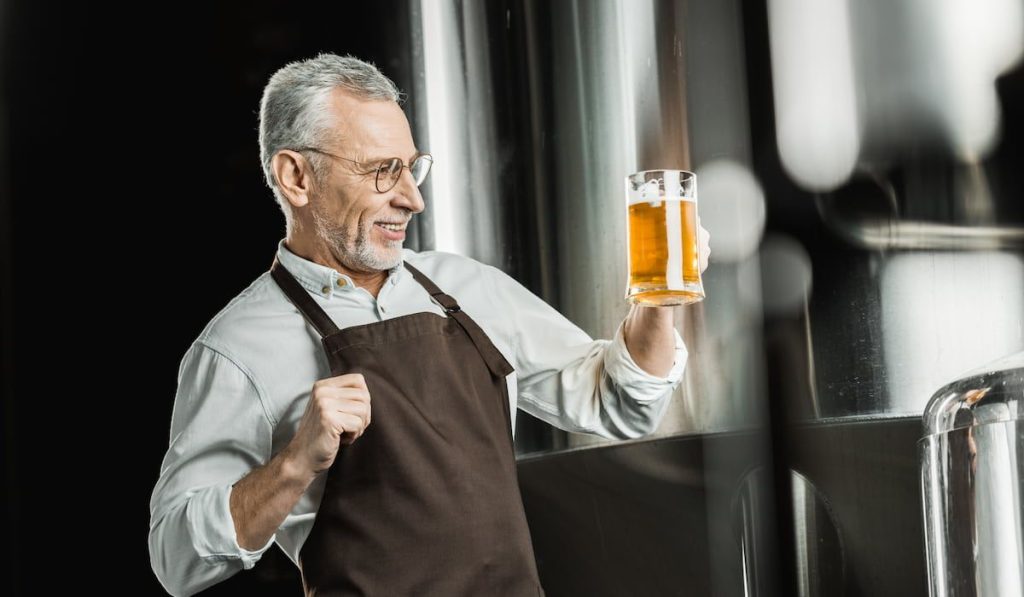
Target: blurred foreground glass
(663,260)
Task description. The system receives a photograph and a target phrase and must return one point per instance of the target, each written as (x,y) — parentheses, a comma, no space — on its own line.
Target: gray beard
(361,254)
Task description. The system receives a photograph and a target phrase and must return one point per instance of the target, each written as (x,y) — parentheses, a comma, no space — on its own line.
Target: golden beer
(664,266)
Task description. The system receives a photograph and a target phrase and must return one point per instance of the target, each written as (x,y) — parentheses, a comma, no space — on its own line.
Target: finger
(349,393)
(347,380)
(345,422)
(336,396)
(359,409)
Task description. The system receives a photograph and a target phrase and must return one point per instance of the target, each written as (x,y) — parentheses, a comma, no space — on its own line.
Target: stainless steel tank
(972,483)
(834,309)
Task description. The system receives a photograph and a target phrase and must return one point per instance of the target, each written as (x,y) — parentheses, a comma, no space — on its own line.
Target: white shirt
(244,383)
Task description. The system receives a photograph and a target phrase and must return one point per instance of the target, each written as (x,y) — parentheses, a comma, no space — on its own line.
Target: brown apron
(426,501)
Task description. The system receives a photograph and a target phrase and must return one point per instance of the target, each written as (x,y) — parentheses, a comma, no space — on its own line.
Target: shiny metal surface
(884,330)
(660,518)
(909,261)
(651,518)
(819,548)
(864,475)
(913,224)
(452,95)
(756,532)
(972,482)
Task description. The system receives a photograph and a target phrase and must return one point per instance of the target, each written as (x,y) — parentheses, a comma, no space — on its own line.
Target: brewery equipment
(972,483)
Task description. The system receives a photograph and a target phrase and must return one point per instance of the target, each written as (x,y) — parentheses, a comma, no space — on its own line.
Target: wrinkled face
(363,228)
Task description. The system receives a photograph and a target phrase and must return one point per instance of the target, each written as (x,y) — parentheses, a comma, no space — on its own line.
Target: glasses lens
(388,173)
(420,167)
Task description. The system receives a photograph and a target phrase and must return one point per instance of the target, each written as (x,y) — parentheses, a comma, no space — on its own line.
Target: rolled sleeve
(213,529)
(219,433)
(572,381)
(639,384)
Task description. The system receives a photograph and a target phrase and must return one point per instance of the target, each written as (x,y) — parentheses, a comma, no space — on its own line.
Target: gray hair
(293,109)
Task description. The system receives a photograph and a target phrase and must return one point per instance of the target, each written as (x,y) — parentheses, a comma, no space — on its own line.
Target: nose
(407,194)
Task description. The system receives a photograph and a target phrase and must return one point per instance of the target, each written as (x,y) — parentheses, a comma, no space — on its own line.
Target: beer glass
(664,266)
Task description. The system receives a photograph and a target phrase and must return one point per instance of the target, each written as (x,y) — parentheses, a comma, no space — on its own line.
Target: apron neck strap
(449,303)
(496,362)
(313,313)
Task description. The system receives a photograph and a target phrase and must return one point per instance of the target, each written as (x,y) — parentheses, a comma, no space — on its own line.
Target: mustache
(403,218)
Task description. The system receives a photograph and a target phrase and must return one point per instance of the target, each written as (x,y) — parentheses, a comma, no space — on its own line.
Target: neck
(317,252)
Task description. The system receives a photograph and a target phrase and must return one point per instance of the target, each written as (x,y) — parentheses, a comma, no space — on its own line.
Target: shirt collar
(323,280)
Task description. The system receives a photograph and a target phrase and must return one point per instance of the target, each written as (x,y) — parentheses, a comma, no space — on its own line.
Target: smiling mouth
(391,227)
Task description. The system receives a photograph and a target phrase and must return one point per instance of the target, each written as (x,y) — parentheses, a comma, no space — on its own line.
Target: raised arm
(576,383)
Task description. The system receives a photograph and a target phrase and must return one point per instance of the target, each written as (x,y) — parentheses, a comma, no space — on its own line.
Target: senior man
(355,404)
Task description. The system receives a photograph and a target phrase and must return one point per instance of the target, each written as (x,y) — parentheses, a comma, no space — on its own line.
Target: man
(355,404)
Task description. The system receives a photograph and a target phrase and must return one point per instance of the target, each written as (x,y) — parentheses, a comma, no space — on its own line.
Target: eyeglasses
(388,171)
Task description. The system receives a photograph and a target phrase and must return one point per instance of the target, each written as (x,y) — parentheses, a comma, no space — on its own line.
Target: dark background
(134,207)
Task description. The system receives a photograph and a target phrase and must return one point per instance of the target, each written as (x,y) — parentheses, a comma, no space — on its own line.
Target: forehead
(370,127)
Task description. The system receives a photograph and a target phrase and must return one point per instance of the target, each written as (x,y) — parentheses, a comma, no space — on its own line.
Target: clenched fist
(337,414)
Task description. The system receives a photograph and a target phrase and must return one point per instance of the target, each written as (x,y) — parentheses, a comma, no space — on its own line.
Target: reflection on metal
(943,313)
(972,482)
(819,549)
(652,518)
(953,207)
(860,520)
(734,215)
(886,329)
(935,89)
(813,78)
(452,89)
(927,235)
(755,533)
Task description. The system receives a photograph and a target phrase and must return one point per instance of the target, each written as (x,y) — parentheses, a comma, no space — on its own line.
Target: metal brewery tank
(972,482)
(906,229)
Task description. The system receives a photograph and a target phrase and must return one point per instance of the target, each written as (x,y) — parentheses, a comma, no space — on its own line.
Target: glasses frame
(384,168)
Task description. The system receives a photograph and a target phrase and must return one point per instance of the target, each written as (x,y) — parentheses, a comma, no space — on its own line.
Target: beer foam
(650,192)
(656,190)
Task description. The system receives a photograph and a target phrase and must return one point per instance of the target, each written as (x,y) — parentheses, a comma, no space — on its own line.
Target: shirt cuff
(213,529)
(624,371)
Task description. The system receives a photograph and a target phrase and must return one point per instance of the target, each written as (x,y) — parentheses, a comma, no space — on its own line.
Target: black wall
(132,208)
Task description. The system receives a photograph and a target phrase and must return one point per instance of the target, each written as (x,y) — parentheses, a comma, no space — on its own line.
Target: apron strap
(313,313)
(319,319)
(492,356)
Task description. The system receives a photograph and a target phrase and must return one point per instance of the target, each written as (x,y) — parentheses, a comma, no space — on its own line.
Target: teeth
(395,227)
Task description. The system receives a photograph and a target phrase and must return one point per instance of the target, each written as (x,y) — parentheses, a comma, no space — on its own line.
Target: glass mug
(664,261)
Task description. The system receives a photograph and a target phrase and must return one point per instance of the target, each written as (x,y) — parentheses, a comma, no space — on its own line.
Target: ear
(294,176)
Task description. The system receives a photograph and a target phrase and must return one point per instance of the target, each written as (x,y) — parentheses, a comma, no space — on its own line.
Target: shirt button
(342,282)
(326,290)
